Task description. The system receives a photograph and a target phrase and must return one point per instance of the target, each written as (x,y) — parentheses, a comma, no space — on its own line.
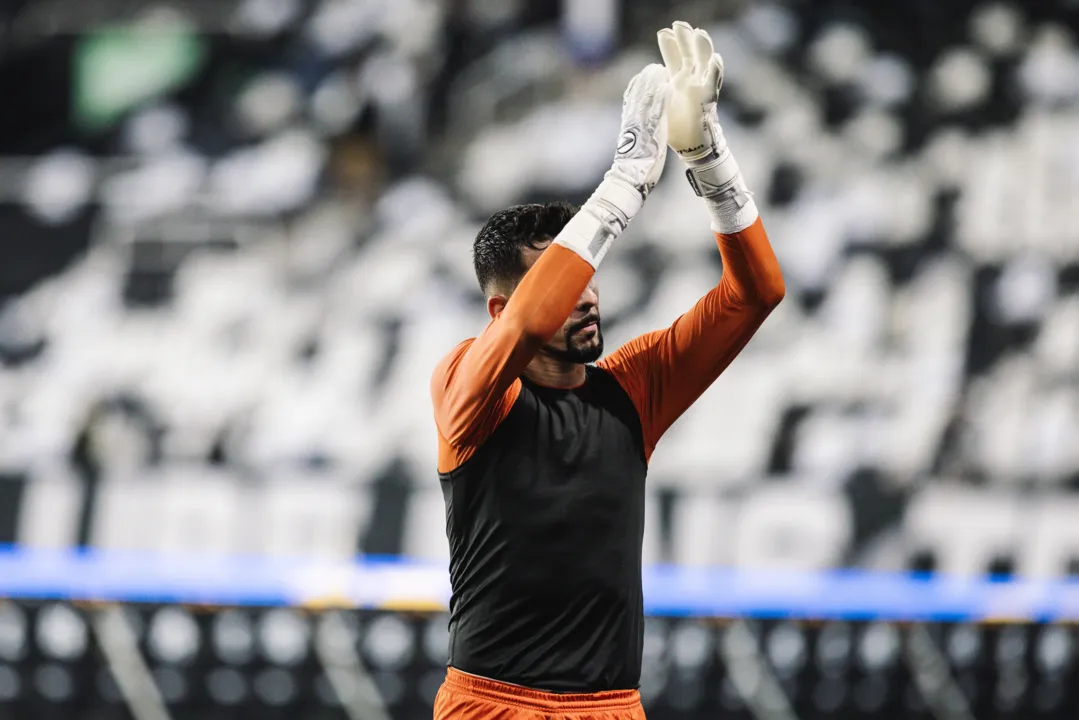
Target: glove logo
(627,142)
(693,183)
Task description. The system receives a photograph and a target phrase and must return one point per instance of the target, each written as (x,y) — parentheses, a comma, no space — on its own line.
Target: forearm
(751,272)
(468,385)
(707,338)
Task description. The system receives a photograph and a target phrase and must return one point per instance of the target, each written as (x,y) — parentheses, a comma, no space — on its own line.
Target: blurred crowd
(238,237)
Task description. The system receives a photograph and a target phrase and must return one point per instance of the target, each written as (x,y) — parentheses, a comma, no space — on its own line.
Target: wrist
(717,179)
(602,218)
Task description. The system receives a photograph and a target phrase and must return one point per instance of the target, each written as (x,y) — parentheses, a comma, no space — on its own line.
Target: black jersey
(544,487)
(545,524)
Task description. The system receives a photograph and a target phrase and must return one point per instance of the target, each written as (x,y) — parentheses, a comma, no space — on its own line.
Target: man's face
(580,339)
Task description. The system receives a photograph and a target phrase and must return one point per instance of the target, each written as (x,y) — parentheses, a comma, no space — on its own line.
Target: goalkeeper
(543,454)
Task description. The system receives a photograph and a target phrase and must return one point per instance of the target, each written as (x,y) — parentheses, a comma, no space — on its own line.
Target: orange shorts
(467,697)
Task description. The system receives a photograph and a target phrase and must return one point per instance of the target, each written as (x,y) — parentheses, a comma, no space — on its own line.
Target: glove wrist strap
(716,178)
(602,218)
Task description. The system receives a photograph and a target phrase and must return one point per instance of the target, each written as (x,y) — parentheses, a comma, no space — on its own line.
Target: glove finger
(631,89)
(645,84)
(668,48)
(657,104)
(713,80)
(702,50)
(683,32)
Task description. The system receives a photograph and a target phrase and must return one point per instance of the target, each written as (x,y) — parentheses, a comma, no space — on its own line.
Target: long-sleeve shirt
(544,487)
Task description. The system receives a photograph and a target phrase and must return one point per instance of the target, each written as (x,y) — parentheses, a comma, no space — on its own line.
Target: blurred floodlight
(787,648)
(226,686)
(388,642)
(284,636)
(54,682)
(960,80)
(879,646)
(58,186)
(276,687)
(61,632)
(964,645)
(173,636)
(840,52)
(1012,646)
(833,647)
(233,638)
(997,27)
(1056,649)
(338,636)
(691,645)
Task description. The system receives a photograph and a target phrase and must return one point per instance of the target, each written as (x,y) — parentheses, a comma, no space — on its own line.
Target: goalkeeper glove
(696,72)
(638,164)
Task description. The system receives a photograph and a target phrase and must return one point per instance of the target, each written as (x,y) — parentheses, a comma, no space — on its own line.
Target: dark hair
(496,253)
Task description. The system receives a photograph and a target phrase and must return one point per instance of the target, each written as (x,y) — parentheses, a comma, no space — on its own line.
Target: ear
(496,304)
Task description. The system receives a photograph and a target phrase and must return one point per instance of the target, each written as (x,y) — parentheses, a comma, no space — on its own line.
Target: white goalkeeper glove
(696,72)
(638,164)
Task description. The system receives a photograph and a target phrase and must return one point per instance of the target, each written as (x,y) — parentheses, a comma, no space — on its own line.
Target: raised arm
(667,370)
(475,385)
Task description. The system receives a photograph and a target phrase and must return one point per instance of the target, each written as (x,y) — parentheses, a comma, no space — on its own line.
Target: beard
(578,353)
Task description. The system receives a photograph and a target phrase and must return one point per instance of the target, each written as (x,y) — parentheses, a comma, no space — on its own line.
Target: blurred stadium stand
(236,239)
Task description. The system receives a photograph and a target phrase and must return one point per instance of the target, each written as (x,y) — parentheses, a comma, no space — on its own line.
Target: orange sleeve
(474,387)
(665,371)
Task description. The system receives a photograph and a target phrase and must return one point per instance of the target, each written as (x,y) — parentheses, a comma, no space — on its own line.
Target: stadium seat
(308,514)
(965,529)
(49,512)
(1049,541)
(703,529)
(791,526)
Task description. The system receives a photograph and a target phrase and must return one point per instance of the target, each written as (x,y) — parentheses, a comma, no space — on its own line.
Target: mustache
(585,322)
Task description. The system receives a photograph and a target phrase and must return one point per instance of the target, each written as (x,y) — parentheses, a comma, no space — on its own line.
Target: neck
(552,372)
